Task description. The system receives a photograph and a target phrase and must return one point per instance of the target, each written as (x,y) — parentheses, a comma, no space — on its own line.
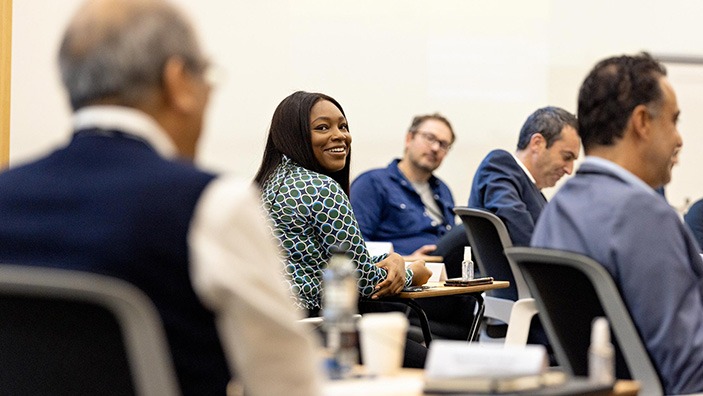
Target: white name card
(439,272)
(451,359)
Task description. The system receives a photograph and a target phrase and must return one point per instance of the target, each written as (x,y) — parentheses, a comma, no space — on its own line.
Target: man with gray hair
(123,199)
(509,185)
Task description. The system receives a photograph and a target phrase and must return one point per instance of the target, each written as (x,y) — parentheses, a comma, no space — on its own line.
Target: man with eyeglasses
(405,203)
(509,184)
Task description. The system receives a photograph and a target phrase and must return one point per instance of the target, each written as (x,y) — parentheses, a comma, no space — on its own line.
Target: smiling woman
(304,176)
(5,65)
(329,135)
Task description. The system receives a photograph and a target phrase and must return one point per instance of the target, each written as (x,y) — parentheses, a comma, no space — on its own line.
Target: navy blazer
(502,187)
(694,219)
(108,203)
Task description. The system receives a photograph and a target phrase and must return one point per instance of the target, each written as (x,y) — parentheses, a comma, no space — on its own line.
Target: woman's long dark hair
(290,135)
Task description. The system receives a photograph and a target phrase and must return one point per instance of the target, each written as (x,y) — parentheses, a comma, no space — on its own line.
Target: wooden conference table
(409,382)
(437,289)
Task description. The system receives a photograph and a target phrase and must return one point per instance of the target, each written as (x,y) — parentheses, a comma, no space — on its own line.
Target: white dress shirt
(524,168)
(235,272)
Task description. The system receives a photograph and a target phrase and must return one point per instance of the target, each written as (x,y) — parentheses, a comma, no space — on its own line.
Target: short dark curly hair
(610,93)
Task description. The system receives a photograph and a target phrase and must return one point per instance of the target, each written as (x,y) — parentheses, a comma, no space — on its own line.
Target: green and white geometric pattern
(311,215)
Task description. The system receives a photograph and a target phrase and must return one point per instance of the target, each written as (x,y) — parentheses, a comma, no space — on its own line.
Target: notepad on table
(455,367)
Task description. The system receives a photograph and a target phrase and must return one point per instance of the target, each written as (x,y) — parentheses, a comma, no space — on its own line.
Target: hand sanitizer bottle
(467,266)
(601,354)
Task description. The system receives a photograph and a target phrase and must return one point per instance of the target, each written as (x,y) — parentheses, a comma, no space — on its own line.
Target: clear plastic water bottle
(339,308)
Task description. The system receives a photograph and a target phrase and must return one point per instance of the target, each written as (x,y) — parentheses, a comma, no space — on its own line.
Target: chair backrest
(488,237)
(78,333)
(570,291)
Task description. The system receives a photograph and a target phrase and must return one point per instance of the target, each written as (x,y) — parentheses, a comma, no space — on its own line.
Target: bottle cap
(467,253)
(600,332)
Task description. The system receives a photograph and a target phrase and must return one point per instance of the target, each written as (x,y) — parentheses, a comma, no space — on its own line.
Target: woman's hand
(395,280)
(421,274)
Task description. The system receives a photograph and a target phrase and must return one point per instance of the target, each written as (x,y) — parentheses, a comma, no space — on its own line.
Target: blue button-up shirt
(389,209)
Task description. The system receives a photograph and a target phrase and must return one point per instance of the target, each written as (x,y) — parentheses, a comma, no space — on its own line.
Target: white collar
(524,168)
(128,120)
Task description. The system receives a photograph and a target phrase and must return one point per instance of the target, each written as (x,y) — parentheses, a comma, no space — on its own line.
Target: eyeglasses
(431,139)
(214,75)
(211,73)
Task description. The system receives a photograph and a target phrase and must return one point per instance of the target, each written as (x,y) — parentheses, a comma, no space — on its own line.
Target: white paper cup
(383,342)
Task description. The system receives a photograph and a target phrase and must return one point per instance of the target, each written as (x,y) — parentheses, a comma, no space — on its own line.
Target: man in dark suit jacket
(509,185)
(123,199)
(694,220)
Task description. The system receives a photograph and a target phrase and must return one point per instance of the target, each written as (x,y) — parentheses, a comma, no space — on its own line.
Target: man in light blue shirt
(610,211)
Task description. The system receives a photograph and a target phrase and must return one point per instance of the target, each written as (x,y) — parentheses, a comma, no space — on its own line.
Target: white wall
(485,64)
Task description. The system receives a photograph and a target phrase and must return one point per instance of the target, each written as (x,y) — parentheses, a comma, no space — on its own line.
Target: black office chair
(514,305)
(66,332)
(570,291)
(488,237)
